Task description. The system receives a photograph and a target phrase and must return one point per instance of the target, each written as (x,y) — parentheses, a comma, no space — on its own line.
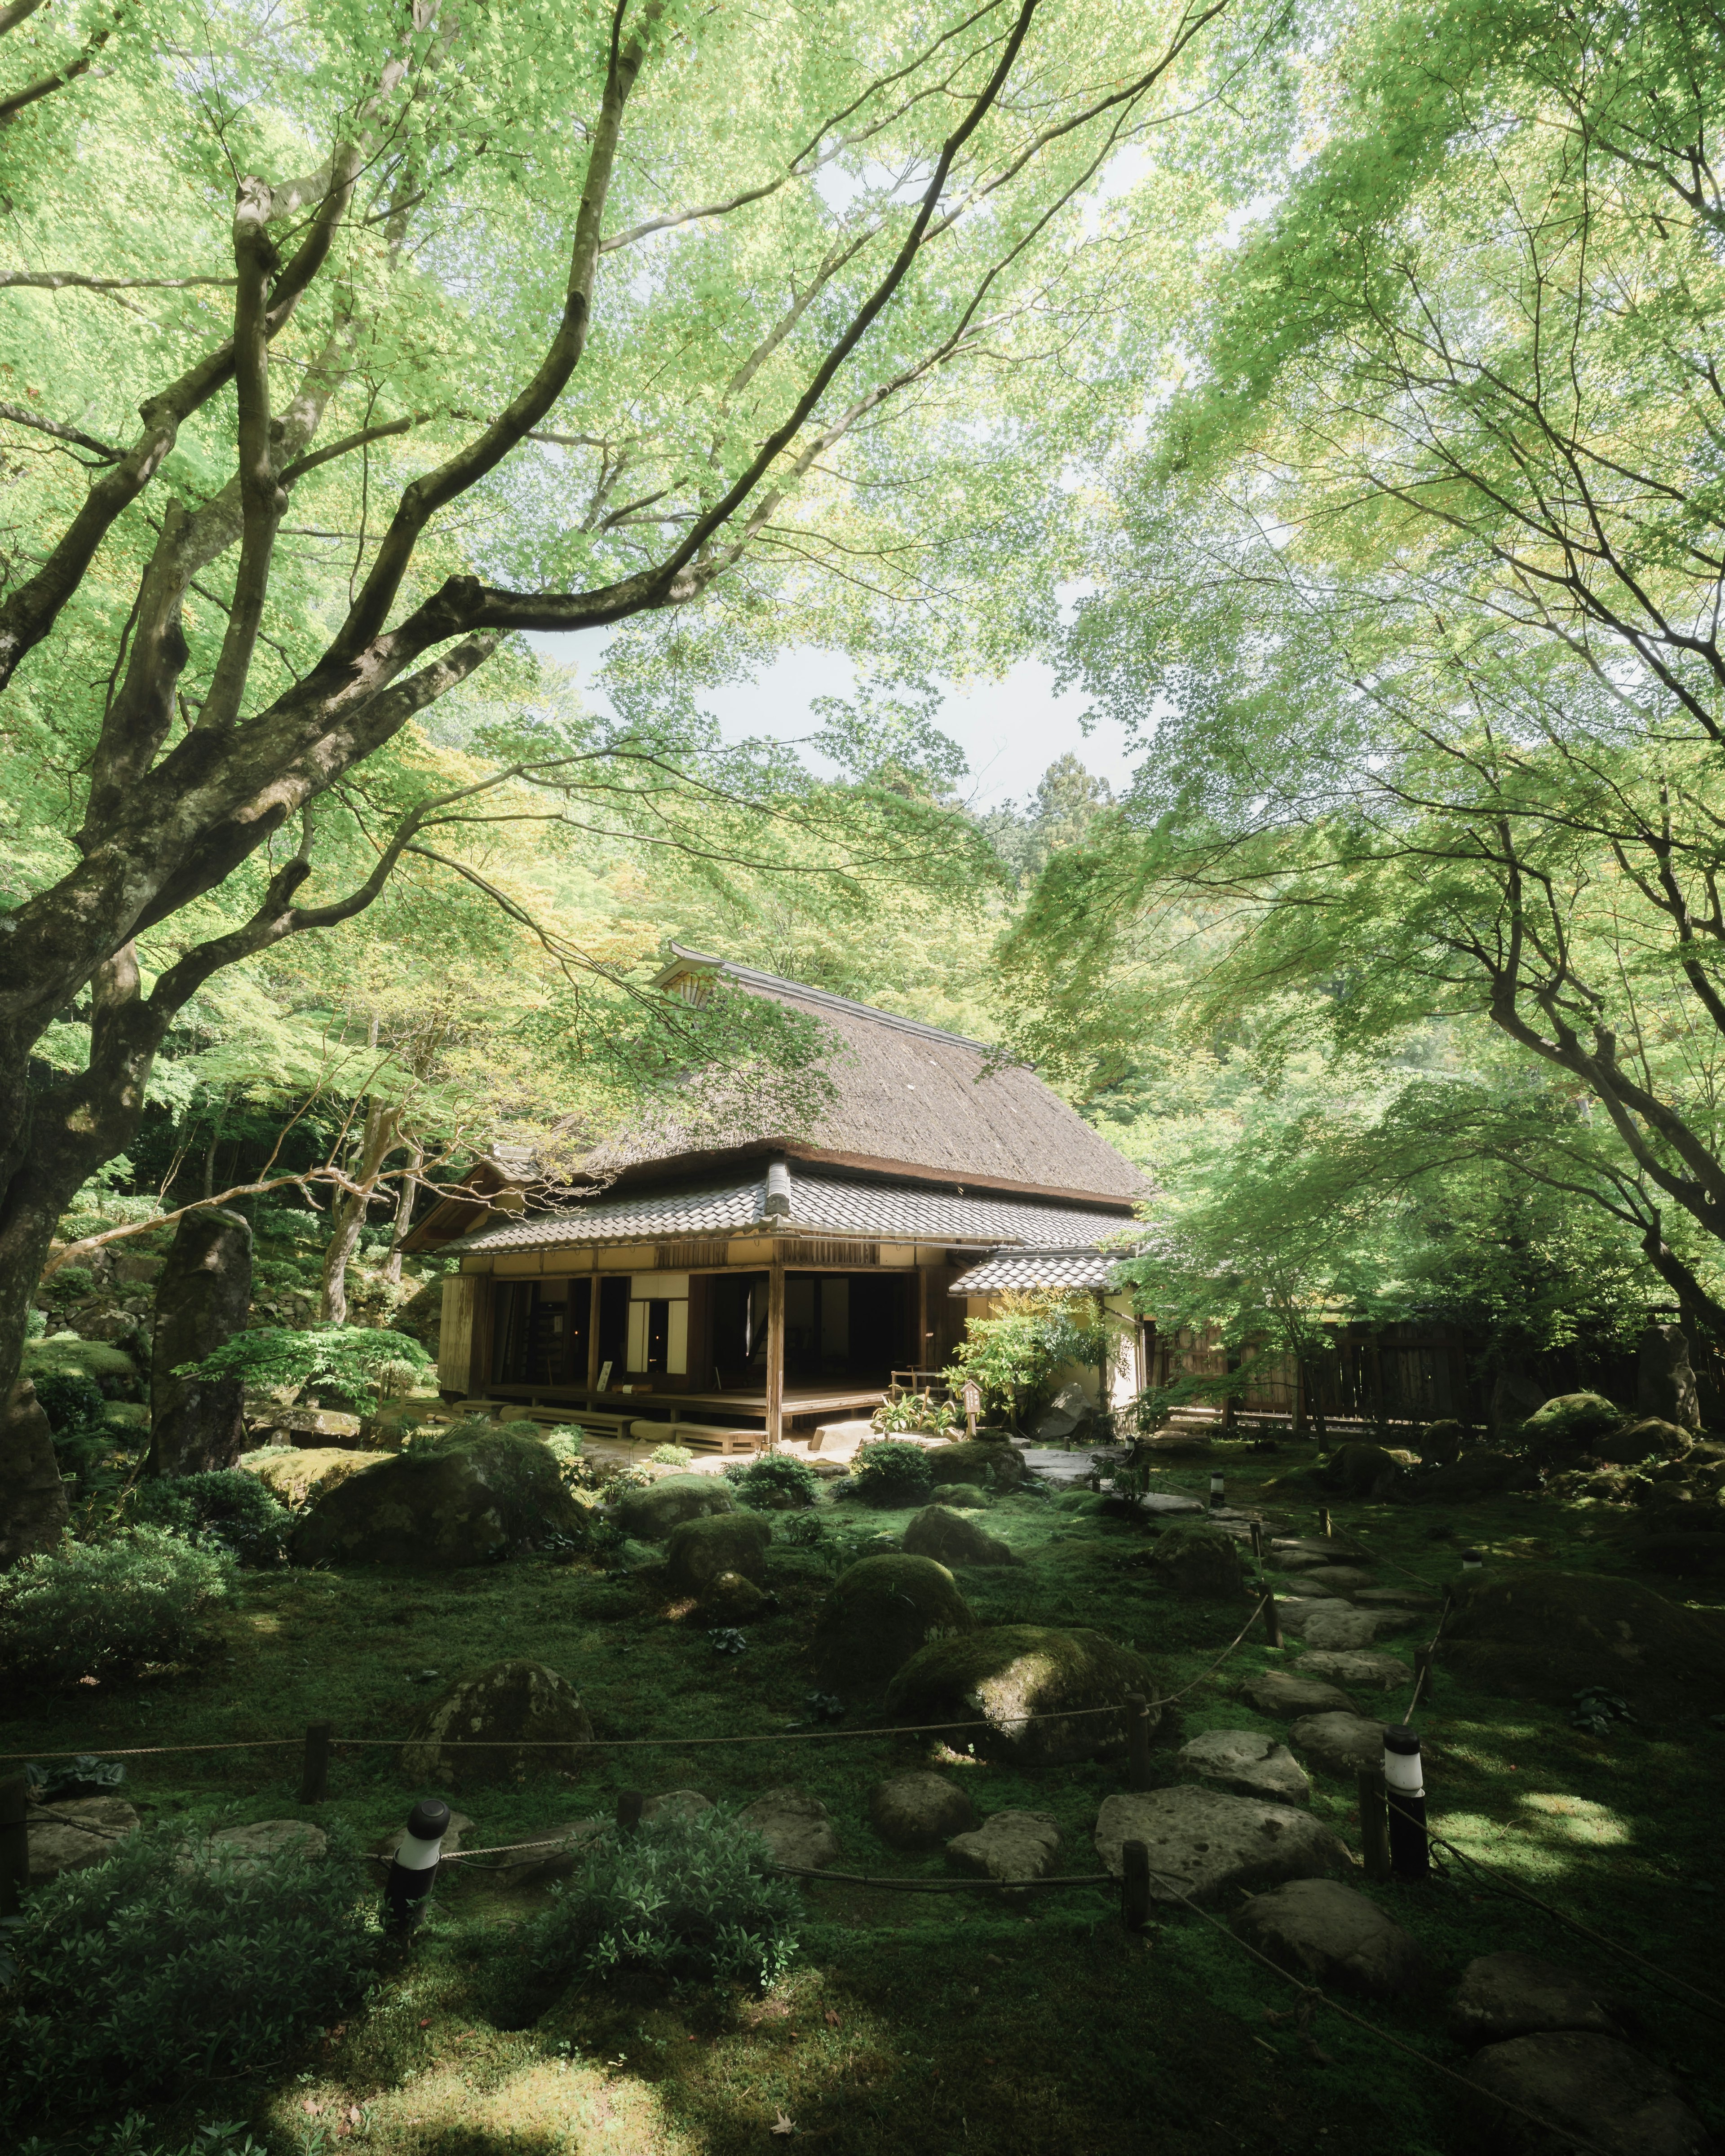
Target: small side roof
(1024,1269)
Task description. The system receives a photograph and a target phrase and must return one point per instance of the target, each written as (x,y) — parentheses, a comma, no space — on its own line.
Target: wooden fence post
(14,1844)
(314,1774)
(1138,1741)
(1374,1823)
(1135,1884)
(1273,1620)
(1423,1659)
(628,1810)
(1323,1521)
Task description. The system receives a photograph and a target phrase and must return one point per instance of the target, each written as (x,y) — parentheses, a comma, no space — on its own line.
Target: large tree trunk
(35,1513)
(202,1300)
(404,1211)
(381,1136)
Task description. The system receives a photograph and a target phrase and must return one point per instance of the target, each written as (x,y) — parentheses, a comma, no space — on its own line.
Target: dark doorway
(541,1336)
(614,1326)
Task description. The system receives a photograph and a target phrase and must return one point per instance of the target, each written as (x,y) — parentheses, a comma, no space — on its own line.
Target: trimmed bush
(690,1897)
(888,1472)
(145,1975)
(227,1506)
(777,1482)
(670,1455)
(104,1610)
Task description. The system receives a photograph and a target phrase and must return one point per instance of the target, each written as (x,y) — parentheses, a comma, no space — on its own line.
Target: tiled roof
(820,1205)
(1033,1269)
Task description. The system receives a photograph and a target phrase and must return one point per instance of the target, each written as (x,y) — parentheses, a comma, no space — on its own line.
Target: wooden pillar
(775,1355)
(919,1353)
(593,1334)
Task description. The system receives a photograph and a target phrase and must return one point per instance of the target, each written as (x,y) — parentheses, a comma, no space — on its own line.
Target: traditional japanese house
(760,1285)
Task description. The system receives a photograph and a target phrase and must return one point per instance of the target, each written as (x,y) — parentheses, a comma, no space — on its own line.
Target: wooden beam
(592,1332)
(775,1355)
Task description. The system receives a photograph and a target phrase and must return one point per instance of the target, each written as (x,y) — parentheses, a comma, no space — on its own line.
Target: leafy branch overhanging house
(749,1288)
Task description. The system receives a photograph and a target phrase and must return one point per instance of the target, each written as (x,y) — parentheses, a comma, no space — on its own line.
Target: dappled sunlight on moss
(1577,1820)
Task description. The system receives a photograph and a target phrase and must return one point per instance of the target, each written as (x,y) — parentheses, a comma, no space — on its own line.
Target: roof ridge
(752,976)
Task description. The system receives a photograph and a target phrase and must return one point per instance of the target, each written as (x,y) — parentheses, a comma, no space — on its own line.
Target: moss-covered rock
(995,1464)
(1648,1438)
(298,1477)
(1573,1422)
(1482,1474)
(1196,1559)
(1363,1472)
(518,1717)
(466,1502)
(114,1373)
(879,1613)
(1548,1635)
(700,1550)
(949,1538)
(1032,1694)
(649,1514)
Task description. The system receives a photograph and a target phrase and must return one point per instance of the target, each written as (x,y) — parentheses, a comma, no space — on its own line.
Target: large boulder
(74,1832)
(1536,1634)
(882,1612)
(949,1538)
(796,1827)
(1008,1846)
(1364,1471)
(1607,2094)
(1324,1933)
(1665,1382)
(254,1848)
(1440,1442)
(700,1551)
(296,1477)
(1208,1846)
(1475,1475)
(514,1718)
(1197,1559)
(202,1300)
(1067,1415)
(1571,1424)
(1503,1996)
(996,1464)
(1246,1762)
(919,1811)
(468,1502)
(1650,1438)
(1027,1693)
(649,1515)
(32,1498)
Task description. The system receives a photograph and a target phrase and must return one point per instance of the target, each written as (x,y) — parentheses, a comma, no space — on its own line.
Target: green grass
(929,2027)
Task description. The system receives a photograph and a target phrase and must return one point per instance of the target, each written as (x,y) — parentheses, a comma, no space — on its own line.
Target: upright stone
(32,1498)
(201,1300)
(1665,1384)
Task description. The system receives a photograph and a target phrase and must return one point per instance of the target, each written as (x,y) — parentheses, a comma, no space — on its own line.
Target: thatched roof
(906,1099)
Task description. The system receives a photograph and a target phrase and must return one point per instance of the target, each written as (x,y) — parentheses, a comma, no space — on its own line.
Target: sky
(1010,729)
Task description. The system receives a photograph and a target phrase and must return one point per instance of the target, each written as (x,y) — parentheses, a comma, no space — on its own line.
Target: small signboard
(973,1406)
(605,1376)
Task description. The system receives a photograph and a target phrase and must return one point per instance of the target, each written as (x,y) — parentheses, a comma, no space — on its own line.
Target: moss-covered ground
(920,2026)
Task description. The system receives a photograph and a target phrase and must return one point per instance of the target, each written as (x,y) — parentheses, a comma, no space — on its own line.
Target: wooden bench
(698,1436)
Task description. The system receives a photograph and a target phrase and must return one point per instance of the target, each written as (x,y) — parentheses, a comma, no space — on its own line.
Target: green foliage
(146,1975)
(670,1455)
(70,1284)
(227,1508)
(70,1400)
(693,1898)
(105,1610)
(1015,1354)
(776,1481)
(351,1361)
(891,1474)
(913,1411)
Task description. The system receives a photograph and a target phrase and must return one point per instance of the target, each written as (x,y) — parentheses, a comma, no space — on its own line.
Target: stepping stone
(1061,1469)
(1505,1995)
(1339,1744)
(919,1811)
(1370,1672)
(559,1854)
(1288,1557)
(1340,1579)
(795,1826)
(1338,1624)
(1288,1697)
(1397,1598)
(1600,2090)
(1166,1500)
(60,1845)
(1246,1762)
(1007,1847)
(1324,1933)
(248,1848)
(676,1804)
(1307,1588)
(1210,1845)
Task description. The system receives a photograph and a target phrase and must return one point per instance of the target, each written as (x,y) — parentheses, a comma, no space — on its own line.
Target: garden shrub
(104,1610)
(679,1897)
(225,1506)
(1016,1353)
(670,1455)
(890,1472)
(84,1442)
(775,1483)
(70,1400)
(354,1362)
(913,1411)
(145,1975)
